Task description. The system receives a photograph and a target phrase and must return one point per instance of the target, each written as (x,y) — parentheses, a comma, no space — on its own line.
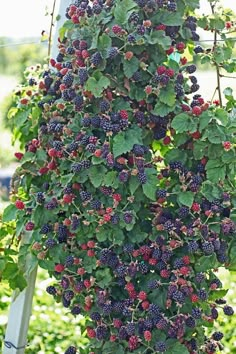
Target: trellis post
(15,340)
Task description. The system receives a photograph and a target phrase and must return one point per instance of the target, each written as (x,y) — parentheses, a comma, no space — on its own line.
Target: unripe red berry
(90,253)
(29,226)
(227,145)
(142,295)
(145,305)
(147,336)
(19,155)
(19,204)
(59,268)
(91,332)
(87,283)
(196,110)
(180,47)
(129,55)
(161,70)
(166,140)
(91,244)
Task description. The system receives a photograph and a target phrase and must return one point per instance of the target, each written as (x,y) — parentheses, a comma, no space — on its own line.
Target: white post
(15,340)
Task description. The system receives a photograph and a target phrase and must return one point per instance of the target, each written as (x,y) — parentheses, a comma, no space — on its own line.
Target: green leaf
(117,237)
(218,294)
(124,141)
(177,348)
(215,170)
(186,198)
(167,18)
(206,262)
(21,117)
(123,10)
(103,277)
(104,42)
(96,175)
(215,135)
(102,235)
(9,213)
(221,116)
(205,119)
(210,191)
(199,149)
(96,87)
(183,123)
(149,188)
(175,155)
(109,179)
(130,66)
(18,282)
(133,184)
(162,109)
(159,37)
(167,95)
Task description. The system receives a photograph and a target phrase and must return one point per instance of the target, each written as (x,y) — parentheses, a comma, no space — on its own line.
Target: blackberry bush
(130,187)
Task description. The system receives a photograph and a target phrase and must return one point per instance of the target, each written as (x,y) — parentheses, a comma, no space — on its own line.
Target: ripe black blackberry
(178,296)
(161,193)
(45,229)
(179,90)
(159,133)
(202,293)
(40,198)
(69,261)
(161,347)
(123,176)
(95,121)
(183,212)
(76,167)
(60,58)
(134,18)
(141,29)
(101,332)
(131,38)
(104,106)
(130,328)
(68,79)
(85,196)
(97,9)
(48,81)
(196,313)
(176,165)
(106,125)
(194,88)
(96,59)
(83,76)
(32,81)
(78,101)
(95,316)
(198,49)
(85,164)
(190,322)
(76,310)
(143,268)
(172,6)
(50,243)
(142,177)
(95,204)
(217,336)
(191,68)
(115,219)
(228,310)
(137,76)
(153,310)
(112,52)
(70,350)
(51,290)
(207,247)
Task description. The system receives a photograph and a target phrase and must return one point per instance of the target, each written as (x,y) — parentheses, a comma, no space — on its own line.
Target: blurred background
(24,29)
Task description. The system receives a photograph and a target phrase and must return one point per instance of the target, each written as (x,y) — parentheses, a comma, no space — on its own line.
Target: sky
(26,18)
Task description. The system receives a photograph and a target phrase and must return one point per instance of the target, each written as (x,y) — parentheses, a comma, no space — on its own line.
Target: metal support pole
(20,310)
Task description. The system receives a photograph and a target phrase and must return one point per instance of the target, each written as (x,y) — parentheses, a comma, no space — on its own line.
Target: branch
(51,26)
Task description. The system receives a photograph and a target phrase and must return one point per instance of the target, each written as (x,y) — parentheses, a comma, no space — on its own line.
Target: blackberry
(122,333)
(70,350)
(191,68)
(128,248)
(172,6)
(101,332)
(178,263)
(193,79)
(107,309)
(214,313)
(57,145)
(138,150)
(45,229)
(85,196)
(97,9)
(130,328)
(123,176)
(131,38)
(154,310)
(183,212)
(65,283)
(137,76)
(51,290)
(134,18)
(207,247)
(115,219)
(76,167)
(176,165)
(48,81)
(104,106)
(196,313)
(190,322)
(68,295)
(179,90)
(161,193)
(228,310)
(198,49)
(217,336)
(50,243)
(95,316)
(161,347)
(66,303)
(157,253)
(112,52)
(85,164)
(78,101)
(68,79)
(40,198)
(83,76)
(96,59)
(62,233)
(202,294)
(143,268)
(192,246)
(195,36)
(72,147)
(76,310)
(95,121)
(194,88)
(141,30)
(128,217)
(142,177)
(121,271)
(95,204)
(70,51)
(69,261)
(153,284)
(193,344)
(200,277)
(106,190)
(178,296)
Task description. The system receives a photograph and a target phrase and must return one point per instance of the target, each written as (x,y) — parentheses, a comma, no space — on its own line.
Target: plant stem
(51,26)
(216,64)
